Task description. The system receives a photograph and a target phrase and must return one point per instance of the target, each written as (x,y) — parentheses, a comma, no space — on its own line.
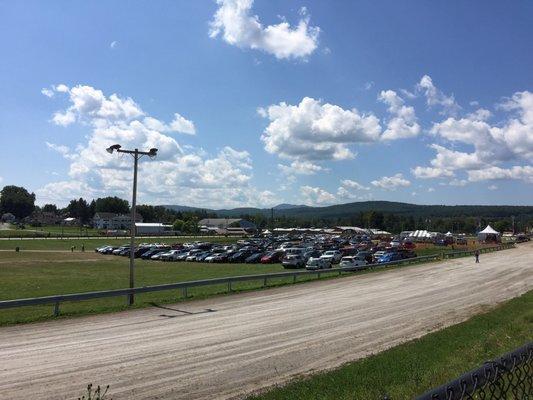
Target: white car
(352,262)
(170,255)
(318,263)
(333,256)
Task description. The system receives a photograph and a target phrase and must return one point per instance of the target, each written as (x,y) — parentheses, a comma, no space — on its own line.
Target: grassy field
(91,244)
(49,230)
(48,267)
(415,367)
(34,274)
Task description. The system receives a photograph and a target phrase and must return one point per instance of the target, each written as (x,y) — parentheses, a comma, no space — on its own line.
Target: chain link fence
(507,378)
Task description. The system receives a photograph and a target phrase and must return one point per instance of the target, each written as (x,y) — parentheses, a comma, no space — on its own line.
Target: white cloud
(178,174)
(492,187)
(234,22)
(403,123)
(315,131)
(430,190)
(349,190)
(316,196)
(458,182)
(434,97)
(348,183)
(178,124)
(61,88)
(510,140)
(61,149)
(368,85)
(524,173)
(391,182)
(47,92)
(301,168)
(113,44)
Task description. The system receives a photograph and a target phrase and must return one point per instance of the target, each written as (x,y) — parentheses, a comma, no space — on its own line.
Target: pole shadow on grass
(183,312)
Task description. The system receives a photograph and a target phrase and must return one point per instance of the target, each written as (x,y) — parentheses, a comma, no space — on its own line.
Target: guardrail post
(265,282)
(229,286)
(184,292)
(318,275)
(294,278)
(56,309)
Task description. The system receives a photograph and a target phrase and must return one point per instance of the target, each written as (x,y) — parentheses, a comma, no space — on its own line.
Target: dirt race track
(229,346)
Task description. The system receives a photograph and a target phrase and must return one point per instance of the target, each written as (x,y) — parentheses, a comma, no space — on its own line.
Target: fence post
(184,292)
(265,282)
(229,286)
(56,309)
(294,278)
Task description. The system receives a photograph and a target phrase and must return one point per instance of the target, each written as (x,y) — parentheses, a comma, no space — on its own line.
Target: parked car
(272,257)
(461,241)
(389,257)
(254,258)
(377,255)
(333,256)
(294,261)
(318,263)
(120,249)
(170,255)
(352,262)
(365,255)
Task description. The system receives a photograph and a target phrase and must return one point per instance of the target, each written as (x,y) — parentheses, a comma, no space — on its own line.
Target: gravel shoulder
(230,346)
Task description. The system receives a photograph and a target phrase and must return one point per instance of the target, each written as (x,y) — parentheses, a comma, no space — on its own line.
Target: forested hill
(341,211)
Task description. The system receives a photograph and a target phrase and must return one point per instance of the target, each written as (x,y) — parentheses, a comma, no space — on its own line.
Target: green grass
(91,244)
(35,274)
(417,366)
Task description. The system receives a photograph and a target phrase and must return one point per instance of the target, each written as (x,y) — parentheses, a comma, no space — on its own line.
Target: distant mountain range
(387,207)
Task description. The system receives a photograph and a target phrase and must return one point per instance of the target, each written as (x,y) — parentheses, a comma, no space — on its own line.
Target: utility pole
(136,156)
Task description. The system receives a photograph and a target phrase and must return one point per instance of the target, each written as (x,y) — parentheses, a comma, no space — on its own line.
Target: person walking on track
(476,254)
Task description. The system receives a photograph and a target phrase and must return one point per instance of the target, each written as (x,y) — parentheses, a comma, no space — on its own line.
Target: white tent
(489,234)
(449,234)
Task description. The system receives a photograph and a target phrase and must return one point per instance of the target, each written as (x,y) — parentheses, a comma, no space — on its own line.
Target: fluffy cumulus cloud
(403,123)
(236,24)
(508,141)
(312,130)
(316,196)
(352,190)
(391,182)
(435,97)
(301,168)
(178,174)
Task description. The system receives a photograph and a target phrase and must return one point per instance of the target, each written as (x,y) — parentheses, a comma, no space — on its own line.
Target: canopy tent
(488,234)
(449,234)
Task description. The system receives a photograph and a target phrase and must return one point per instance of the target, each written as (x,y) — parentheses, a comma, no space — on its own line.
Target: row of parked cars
(313,252)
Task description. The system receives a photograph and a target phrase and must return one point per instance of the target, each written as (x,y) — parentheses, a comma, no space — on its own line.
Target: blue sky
(277,101)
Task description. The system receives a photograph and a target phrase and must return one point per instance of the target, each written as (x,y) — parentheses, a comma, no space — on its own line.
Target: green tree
(50,208)
(17,201)
(79,209)
(112,204)
(178,225)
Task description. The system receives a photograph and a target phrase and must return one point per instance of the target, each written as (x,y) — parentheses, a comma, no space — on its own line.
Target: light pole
(136,156)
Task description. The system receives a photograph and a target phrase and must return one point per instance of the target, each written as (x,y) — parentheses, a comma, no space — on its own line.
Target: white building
(112,221)
(153,228)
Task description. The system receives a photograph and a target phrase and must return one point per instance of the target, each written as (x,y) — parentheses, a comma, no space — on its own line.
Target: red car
(271,257)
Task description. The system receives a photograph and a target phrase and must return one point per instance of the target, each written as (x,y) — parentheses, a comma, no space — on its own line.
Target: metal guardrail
(508,377)
(229,281)
(464,253)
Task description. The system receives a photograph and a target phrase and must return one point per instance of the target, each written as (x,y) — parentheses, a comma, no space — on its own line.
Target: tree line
(21,203)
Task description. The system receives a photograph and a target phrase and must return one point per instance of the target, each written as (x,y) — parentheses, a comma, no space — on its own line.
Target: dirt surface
(230,346)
